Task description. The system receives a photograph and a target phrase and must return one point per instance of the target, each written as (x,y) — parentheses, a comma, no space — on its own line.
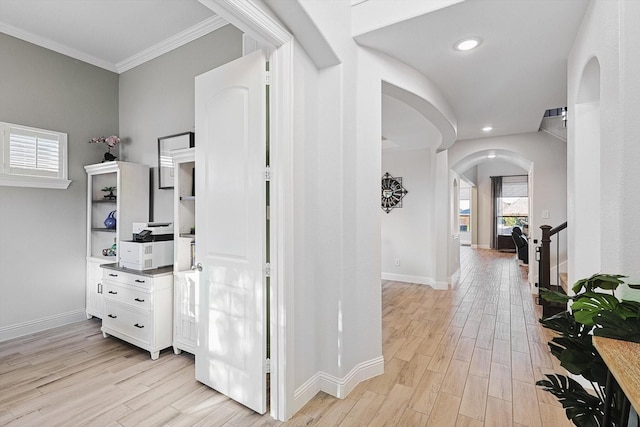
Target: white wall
(43,231)
(609,32)
(407,231)
(157,99)
(310,331)
(341,175)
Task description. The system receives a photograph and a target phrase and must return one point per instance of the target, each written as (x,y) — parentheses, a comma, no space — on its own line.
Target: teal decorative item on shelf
(110,222)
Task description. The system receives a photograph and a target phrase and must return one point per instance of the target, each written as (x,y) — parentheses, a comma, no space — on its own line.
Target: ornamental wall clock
(392,192)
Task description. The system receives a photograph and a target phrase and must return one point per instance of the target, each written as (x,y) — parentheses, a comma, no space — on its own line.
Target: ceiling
(518,72)
(113,34)
(508,82)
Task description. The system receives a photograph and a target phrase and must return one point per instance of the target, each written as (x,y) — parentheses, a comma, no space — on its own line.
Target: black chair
(522,245)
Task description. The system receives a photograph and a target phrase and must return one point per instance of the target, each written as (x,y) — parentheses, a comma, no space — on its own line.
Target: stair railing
(543,256)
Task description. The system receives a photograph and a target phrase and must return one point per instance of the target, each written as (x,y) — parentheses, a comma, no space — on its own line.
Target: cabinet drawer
(127,321)
(136,297)
(127,278)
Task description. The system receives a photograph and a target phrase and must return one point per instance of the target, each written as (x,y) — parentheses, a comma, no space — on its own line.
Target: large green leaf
(582,408)
(589,304)
(562,322)
(602,281)
(573,347)
(554,296)
(613,325)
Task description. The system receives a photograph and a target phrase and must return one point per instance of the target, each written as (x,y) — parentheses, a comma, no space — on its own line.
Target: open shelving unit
(185,279)
(130,205)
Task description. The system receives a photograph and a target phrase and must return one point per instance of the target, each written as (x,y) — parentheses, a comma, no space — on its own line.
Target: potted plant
(110,141)
(109,190)
(595,310)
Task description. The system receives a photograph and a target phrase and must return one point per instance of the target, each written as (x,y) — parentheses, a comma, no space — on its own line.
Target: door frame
(254,19)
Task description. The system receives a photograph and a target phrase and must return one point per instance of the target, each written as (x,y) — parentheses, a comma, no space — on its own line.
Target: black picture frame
(166,144)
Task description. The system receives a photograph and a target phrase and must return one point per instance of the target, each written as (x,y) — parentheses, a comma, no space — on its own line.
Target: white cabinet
(185,280)
(94,288)
(130,203)
(138,306)
(184,312)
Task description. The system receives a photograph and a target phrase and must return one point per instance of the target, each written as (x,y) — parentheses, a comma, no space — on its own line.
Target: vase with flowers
(110,141)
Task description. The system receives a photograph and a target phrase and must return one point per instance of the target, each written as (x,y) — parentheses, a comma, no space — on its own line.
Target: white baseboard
(337,387)
(474,246)
(25,328)
(420,280)
(484,247)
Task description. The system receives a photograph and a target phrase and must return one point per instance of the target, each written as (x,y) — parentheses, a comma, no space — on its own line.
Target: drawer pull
(139,300)
(139,281)
(113,275)
(139,326)
(113,316)
(113,292)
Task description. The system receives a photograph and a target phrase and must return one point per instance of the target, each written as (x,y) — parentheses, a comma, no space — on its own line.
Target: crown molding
(56,47)
(248,16)
(192,33)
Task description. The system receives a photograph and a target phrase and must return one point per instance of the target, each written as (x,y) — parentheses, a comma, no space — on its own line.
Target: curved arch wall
(605,43)
(539,154)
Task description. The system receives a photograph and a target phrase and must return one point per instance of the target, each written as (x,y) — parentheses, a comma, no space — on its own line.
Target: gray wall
(157,99)
(42,231)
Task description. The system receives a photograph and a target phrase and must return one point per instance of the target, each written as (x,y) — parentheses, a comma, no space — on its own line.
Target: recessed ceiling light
(491,156)
(467,44)
(487,129)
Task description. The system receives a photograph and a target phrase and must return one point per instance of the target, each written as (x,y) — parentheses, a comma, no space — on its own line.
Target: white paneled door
(230,228)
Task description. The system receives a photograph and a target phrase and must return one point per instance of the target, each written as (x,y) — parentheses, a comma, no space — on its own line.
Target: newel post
(544,266)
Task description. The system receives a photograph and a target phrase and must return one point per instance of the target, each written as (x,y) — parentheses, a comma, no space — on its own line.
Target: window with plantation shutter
(33,157)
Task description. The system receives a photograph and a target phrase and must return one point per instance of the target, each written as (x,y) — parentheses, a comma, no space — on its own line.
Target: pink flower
(112,141)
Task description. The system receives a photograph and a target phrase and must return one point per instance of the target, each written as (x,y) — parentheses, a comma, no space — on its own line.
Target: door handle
(198,267)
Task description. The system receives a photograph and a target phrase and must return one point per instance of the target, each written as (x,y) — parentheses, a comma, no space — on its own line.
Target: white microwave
(145,255)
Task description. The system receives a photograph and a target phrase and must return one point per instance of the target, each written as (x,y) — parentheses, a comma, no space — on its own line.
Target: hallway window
(511,206)
(465,208)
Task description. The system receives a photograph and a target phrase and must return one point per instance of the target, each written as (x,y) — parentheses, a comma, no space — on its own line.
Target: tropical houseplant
(595,310)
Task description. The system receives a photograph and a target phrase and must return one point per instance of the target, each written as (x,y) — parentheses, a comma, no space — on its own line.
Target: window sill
(33,182)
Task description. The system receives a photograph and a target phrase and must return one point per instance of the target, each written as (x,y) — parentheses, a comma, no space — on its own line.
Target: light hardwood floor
(468,356)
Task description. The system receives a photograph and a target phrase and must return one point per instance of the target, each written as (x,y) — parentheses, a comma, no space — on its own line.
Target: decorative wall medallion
(392,192)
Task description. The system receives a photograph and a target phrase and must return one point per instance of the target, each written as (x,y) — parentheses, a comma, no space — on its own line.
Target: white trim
(440,286)
(190,34)
(44,323)
(282,232)
(338,387)
(420,280)
(33,182)
(474,246)
(483,247)
(251,19)
(248,17)
(56,47)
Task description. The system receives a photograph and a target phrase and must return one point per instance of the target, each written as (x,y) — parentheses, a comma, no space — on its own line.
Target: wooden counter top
(623,360)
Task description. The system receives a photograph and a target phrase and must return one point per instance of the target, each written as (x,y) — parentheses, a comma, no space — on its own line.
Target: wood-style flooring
(468,356)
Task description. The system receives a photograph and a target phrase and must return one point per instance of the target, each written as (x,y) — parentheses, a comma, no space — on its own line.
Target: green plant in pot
(595,310)
(109,190)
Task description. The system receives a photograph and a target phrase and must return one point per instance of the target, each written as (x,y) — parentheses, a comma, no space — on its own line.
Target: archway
(476,168)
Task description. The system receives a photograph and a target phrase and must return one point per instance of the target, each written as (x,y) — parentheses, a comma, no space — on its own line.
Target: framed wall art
(165,162)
